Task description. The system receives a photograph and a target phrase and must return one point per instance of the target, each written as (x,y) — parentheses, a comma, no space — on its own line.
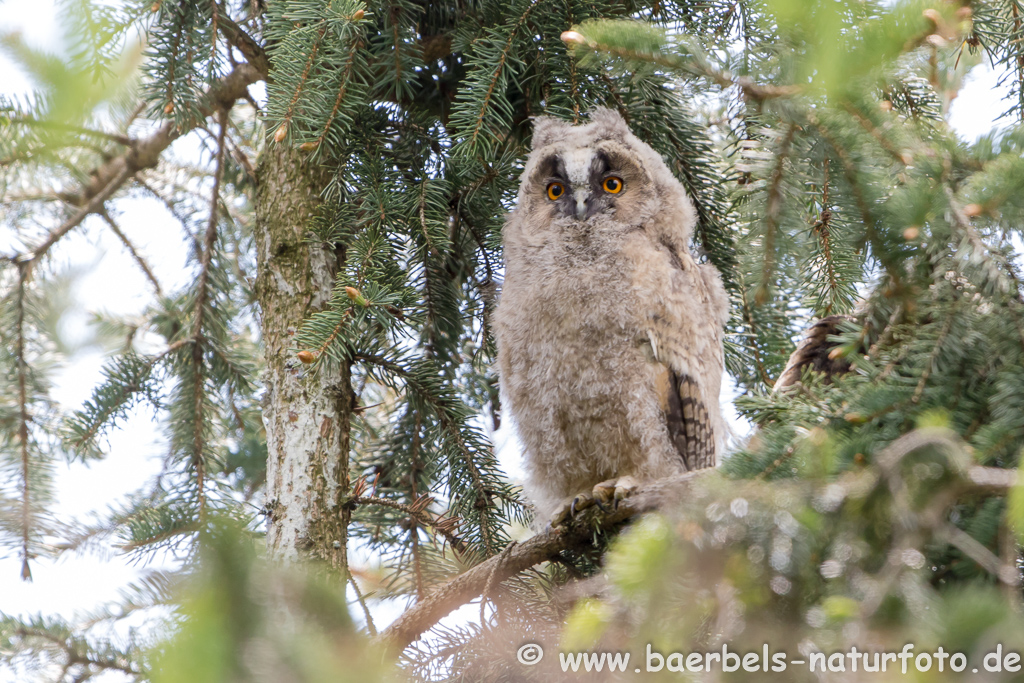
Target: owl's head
(596,172)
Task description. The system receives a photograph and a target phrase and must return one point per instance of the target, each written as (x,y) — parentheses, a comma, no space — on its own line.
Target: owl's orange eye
(555,190)
(612,185)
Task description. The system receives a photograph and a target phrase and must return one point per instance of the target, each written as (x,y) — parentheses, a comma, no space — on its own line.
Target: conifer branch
(78,655)
(748,317)
(483,500)
(771,215)
(345,76)
(78,130)
(94,205)
(418,503)
(282,129)
(851,174)
(947,325)
(414,549)
(202,294)
(1018,30)
(496,75)
(696,67)
(439,523)
(543,547)
(173,57)
(23,418)
(146,152)
(822,228)
(873,131)
(214,16)
(113,403)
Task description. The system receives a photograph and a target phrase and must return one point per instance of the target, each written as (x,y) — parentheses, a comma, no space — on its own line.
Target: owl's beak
(581,197)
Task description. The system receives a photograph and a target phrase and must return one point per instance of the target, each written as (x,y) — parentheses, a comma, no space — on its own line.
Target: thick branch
(540,548)
(146,152)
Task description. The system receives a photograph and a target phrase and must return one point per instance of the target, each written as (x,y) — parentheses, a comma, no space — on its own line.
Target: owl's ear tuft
(547,129)
(608,121)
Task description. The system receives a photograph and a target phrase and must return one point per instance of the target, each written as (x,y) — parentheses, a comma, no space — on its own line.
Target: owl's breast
(569,329)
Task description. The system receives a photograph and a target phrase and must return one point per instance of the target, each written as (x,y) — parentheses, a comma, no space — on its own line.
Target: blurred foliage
(245,620)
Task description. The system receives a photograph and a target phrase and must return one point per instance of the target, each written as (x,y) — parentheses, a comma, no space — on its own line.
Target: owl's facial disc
(581,179)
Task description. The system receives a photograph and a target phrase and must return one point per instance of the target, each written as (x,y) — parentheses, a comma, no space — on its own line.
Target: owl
(609,334)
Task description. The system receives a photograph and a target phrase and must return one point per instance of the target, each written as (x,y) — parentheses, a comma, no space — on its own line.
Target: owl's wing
(685,331)
(815,352)
(689,424)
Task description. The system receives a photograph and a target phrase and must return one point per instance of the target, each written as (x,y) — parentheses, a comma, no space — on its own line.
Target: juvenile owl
(609,334)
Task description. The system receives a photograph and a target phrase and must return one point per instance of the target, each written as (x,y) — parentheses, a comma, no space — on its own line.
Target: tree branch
(246,44)
(146,270)
(543,547)
(145,153)
(93,205)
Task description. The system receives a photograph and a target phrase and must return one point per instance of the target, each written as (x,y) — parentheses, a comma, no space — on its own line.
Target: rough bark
(306,413)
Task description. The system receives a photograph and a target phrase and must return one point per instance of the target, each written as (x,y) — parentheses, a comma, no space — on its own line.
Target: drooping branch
(773,210)
(202,296)
(23,418)
(143,266)
(543,547)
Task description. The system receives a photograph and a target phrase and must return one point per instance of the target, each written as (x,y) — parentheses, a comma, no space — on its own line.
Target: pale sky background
(77,583)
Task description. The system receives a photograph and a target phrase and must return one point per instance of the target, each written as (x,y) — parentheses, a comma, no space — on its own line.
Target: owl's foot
(608,492)
(614,490)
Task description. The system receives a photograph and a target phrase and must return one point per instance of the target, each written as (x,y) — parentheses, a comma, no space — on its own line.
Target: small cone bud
(169,107)
(911,233)
(358,15)
(281,133)
(308,146)
(855,418)
(155,7)
(573,37)
(835,353)
(974,210)
(933,16)
(306,357)
(353,293)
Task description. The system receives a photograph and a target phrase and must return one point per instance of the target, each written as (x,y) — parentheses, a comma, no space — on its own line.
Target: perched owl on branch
(609,334)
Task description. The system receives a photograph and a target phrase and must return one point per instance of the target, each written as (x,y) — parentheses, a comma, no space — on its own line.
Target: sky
(79,582)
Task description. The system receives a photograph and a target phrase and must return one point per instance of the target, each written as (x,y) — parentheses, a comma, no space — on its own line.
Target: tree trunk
(306,412)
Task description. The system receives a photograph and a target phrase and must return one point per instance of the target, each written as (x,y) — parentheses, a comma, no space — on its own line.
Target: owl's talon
(580,502)
(604,492)
(624,488)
